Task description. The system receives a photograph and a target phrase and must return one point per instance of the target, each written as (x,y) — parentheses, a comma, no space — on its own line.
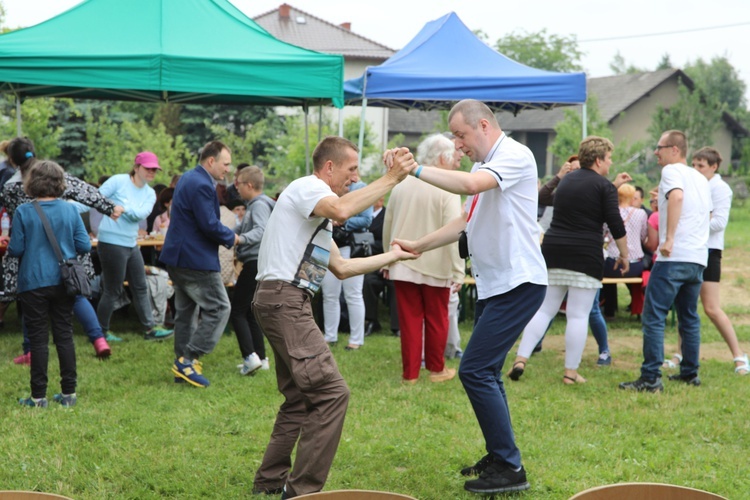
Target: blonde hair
(625,194)
(593,148)
(252,174)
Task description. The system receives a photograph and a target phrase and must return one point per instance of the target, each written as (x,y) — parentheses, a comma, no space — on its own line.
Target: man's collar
(494,148)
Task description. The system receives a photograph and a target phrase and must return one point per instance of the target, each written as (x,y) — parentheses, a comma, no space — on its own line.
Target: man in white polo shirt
(507,264)
(684,222)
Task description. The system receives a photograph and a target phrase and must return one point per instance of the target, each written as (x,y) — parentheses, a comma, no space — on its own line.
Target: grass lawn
(136,434)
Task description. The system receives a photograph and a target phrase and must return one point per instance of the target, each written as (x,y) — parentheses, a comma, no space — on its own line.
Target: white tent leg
(307,141)
(362,129)
(584,122)
(341,122)
(320,123)
(18,115)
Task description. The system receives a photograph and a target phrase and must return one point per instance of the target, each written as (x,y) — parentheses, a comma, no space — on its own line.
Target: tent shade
(446,62)
(203,51)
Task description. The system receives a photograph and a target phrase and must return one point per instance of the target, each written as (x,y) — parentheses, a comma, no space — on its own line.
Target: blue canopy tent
(446,62)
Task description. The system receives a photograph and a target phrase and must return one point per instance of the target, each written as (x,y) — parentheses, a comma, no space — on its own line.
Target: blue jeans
(194,292)
(498,322)
(677,283)
(598,325)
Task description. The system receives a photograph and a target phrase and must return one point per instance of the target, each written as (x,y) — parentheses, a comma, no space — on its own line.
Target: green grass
(135,434)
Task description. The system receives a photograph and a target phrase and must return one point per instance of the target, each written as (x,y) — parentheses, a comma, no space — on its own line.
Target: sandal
(516,372)
(573,380)
(668,363)
(744,368)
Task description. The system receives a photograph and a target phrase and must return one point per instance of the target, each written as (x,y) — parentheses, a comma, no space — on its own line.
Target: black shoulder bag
(73,274)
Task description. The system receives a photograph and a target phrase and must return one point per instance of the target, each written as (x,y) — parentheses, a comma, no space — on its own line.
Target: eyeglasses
(661,147)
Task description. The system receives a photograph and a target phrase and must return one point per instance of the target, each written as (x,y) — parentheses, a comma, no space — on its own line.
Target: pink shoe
(102,348)
(24,359)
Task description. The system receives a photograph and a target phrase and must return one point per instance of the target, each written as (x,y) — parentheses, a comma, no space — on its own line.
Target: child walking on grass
(40,287)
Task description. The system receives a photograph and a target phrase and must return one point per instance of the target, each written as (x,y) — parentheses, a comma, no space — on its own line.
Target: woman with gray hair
(423,285)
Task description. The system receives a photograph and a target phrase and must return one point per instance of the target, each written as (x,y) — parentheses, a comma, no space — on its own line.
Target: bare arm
(346,268)
(674,210)
(458,182)
(623,261)
(443,236)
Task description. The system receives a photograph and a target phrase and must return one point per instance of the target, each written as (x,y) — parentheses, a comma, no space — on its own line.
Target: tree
(695,113)
(542,50)
(620,67)
(719,80)
(36,120)
(665,62)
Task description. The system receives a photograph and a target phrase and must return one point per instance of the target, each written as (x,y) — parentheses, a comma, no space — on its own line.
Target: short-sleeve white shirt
(296,244)
(721,197)
(503,233)
(691,236)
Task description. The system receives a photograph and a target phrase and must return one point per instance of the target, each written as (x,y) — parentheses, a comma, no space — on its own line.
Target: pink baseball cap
(147,159)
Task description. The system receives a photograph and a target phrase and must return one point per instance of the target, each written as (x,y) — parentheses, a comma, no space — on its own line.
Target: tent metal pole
(584,122)
(362,129)
(18,115)
(320,123)
(307,141)
(341,122)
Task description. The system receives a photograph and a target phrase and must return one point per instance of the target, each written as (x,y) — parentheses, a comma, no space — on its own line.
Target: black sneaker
(644,385)
(498,478)
(268,491)
(477,468)
(686,379)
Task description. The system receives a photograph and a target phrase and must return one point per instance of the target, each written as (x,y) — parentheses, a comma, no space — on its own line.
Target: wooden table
(150,242)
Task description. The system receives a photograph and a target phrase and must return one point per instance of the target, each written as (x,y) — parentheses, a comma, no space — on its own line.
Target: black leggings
(249,334)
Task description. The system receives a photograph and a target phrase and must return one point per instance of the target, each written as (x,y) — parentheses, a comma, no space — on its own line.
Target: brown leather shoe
(443,376)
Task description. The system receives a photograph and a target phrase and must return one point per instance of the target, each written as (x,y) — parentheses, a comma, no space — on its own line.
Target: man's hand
(666,248)
(623,265)
(402,163)
(621,179)
(4,241)
(456,287)
(117,212)
(236,239)
(409,246)
(403,254)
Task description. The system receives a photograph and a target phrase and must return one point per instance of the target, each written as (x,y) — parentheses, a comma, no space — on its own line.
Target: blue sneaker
(189,372)
(158,333)
(34,403)
(66,400)
(113,338)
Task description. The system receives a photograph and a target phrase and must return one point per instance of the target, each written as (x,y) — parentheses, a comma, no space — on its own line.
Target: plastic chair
(355,495)
(645,491)
(30,495)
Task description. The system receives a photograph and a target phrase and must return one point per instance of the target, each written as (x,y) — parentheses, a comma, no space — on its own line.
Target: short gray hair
(433,147)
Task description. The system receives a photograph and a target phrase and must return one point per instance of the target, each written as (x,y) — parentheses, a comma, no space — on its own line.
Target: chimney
(284,10)
(346,26)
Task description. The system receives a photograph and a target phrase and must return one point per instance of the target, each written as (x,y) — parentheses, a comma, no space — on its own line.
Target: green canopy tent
(197,51)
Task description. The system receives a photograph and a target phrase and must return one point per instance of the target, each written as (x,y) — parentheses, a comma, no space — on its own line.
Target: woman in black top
(572,247)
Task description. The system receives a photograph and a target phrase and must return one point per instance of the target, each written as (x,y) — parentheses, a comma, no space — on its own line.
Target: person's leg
(576,329)
(331,290)
(356,306)
(242,298)
(136,276)
(319,395)
(660,296)
(411,320)
(686,305)
(435,326)
(453,343)
(537,326)
(255,330)
(61,321)
(498,324)
(372,286)
(598,326)
(185,312)
(711,299)
(113,260)
(36,315)
(392,306)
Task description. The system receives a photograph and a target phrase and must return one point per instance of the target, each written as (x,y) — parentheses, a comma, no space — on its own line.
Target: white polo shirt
(503,234)
(691,236)
(721,197)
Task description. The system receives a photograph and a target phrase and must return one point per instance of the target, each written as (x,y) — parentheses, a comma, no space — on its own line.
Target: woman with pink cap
(118,250)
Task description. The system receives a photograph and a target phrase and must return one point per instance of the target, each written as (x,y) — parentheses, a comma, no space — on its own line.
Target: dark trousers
(45,307)
(249,333)
(498,322)
(316,395)
(374,284)
(609,292)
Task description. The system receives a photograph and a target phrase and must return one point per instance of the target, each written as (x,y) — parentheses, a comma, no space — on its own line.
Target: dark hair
(640,190)
(221,192)
(103,179)
(175,180)
(711,155)
(45,179)
(212,150)
(331,148)
(241,166)
(232,204)
(166,196)
(20,151)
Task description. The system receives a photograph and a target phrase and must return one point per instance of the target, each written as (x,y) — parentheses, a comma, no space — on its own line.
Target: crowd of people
(311,238)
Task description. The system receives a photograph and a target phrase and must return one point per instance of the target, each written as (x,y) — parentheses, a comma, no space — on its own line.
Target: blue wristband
(418,171)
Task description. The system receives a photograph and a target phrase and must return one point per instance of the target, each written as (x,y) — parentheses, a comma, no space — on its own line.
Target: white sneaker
(250,365)
(264,364)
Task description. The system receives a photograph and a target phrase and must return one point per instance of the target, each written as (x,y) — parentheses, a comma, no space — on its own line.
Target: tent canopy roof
(446,62)
(204,51)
